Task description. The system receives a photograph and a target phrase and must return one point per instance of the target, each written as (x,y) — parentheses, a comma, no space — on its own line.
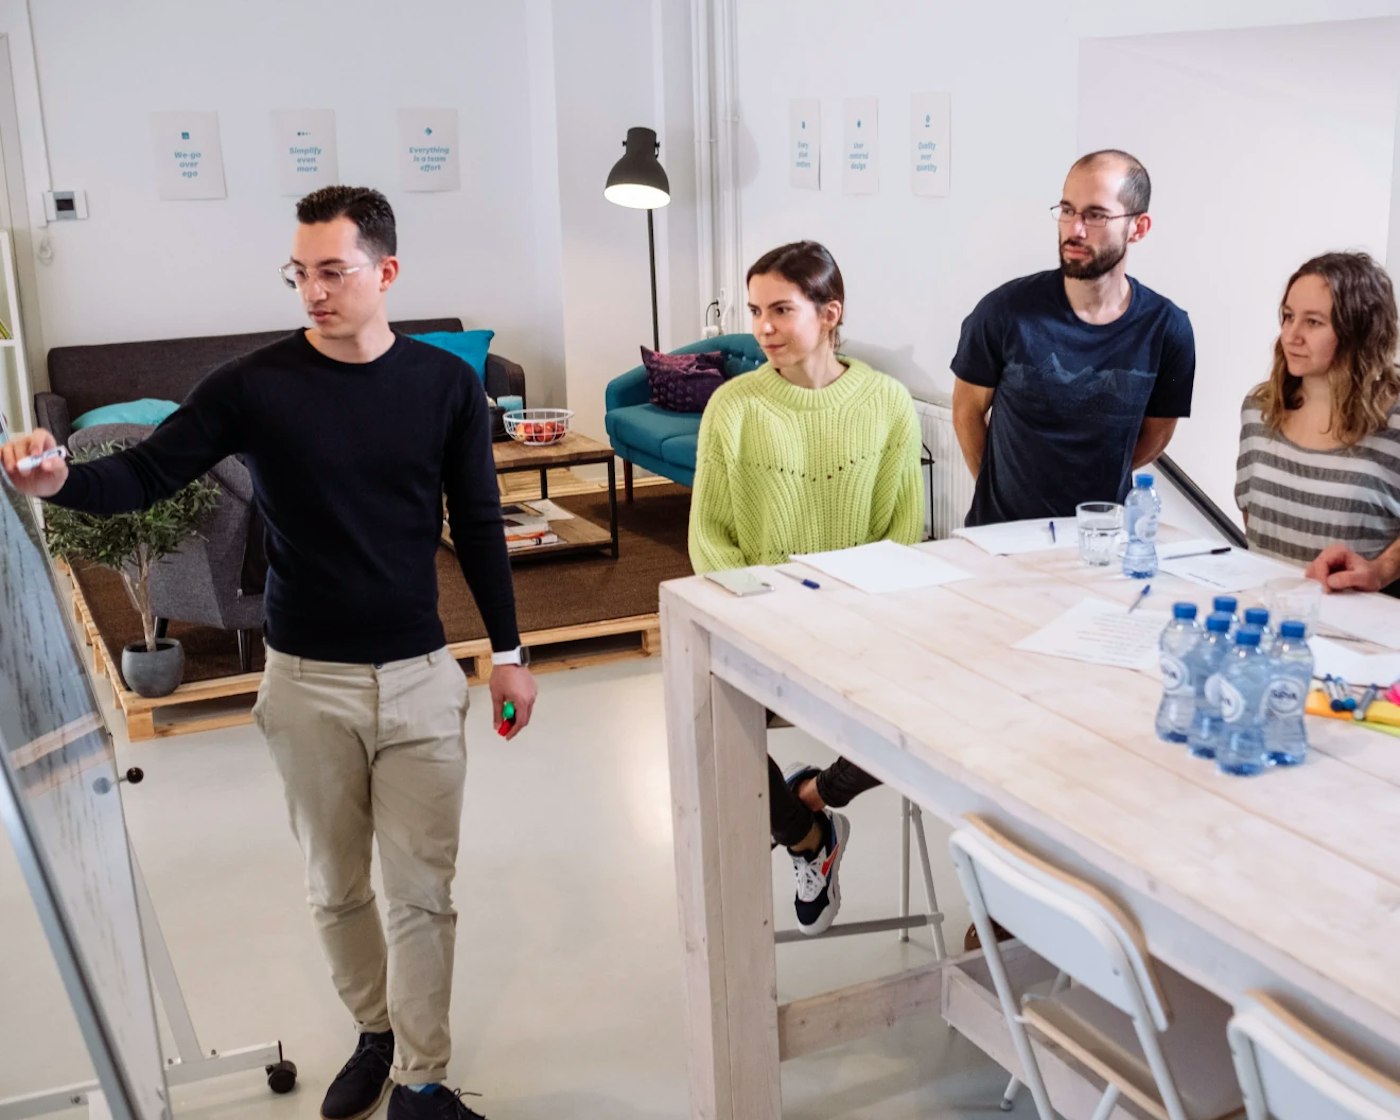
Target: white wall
(1393,253)
(635,73)
(140,267)
(914,267)
(545,91)
(1266,146)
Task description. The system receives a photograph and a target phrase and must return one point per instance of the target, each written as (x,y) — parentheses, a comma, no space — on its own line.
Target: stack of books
(526,527)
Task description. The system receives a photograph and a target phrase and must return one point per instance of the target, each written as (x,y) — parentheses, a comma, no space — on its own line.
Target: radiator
(949,481)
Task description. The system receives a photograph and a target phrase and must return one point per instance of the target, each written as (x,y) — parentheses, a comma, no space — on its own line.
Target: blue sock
(423,1088)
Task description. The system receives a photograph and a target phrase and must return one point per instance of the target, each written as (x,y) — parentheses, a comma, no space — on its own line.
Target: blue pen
(1146,587)
(803,580)
(1052,532)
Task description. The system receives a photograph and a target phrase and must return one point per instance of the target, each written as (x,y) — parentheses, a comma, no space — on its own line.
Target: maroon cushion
(683,382)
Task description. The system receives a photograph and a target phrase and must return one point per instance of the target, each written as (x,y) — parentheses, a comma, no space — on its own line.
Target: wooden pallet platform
(228,701)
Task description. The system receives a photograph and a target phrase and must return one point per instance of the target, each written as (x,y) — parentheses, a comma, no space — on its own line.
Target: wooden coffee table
(573,450)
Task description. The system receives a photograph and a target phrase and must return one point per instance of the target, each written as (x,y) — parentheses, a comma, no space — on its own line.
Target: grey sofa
(82,378)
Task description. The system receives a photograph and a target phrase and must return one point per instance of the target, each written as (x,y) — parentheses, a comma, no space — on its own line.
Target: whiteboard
(60,805)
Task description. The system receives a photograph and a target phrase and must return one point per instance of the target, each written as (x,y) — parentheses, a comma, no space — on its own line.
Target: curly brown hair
(1365,321)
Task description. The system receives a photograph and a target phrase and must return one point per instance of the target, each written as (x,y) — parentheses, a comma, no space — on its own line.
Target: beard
(1100,262)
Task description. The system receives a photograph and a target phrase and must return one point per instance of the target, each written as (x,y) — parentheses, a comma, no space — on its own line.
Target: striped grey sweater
(1299,501)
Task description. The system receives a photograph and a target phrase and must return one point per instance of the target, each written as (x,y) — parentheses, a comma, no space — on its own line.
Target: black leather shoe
(440,1104)
(363,1080)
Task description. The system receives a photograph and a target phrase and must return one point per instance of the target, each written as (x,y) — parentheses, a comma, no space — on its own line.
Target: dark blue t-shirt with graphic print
(1070,395)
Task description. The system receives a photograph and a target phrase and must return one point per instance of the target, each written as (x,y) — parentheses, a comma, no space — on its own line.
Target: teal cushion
(148,410)
(646,427)
(470,346)
(681,450)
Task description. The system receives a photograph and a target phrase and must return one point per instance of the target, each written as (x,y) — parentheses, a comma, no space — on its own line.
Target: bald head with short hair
(1135,193)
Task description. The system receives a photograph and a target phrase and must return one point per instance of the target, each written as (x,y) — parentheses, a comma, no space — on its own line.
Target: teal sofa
(657,439)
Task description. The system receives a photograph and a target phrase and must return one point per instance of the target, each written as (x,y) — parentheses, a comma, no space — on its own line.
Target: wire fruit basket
(538,427)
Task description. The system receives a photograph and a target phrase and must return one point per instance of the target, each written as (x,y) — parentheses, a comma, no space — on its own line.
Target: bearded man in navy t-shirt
(1088,369)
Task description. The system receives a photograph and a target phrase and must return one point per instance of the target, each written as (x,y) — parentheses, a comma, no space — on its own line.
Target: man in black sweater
(352,434)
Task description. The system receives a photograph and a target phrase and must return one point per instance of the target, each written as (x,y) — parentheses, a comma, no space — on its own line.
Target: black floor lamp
(638,180)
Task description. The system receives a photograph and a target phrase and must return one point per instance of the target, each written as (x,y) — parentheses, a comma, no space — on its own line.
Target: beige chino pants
(372,752)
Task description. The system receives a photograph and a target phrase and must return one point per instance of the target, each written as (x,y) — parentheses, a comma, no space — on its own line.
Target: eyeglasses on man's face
(329,279)
(1093,217)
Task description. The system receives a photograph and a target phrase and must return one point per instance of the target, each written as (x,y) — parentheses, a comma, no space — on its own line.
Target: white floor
(567,1000)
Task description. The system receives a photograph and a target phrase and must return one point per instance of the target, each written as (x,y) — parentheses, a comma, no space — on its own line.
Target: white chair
(1288,1072)
(1156,1039)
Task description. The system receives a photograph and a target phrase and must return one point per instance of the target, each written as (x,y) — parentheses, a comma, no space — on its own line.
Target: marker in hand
(29,462)
(507,718)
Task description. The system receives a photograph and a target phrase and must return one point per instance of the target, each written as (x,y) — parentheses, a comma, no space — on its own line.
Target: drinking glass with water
(1099,525)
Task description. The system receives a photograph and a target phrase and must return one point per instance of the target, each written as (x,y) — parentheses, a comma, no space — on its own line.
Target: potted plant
(130,544)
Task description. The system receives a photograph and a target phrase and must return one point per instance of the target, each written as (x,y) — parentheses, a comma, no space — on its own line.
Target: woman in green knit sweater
(812,451)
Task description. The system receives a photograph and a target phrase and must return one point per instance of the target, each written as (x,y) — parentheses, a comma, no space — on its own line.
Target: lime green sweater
(782,469)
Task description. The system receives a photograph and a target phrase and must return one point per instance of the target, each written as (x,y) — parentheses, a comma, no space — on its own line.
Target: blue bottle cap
(1184,611)
(1293,629)
(1143,479)
(1218,623)
(1247,636)
(1257,616)
(1226,603)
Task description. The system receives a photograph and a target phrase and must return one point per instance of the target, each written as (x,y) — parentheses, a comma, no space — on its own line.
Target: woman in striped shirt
(1318,476)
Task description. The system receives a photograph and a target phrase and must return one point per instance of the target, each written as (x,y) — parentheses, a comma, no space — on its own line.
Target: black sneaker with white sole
(440,1103)
(818,895)
(363,1080)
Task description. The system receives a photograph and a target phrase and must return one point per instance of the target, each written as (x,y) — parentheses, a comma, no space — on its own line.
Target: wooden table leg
(718,755)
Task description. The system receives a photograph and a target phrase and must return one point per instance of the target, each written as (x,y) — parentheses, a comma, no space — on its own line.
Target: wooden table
(572,451)
(1287,882)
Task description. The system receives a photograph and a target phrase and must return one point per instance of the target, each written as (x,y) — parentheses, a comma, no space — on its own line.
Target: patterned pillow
(683,382)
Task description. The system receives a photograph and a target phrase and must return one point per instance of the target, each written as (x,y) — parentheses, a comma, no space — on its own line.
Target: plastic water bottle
(1179,639)
(1140,514)
(1244,678)
(1204,663)
(1290,678)
(1230,605)
(1258,616)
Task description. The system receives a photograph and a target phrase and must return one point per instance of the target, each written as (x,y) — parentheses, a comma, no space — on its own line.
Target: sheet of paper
(929,130)
(189,158)
(550,510)
(304,149)
(884,566)
(1103,632)
(429,156)
(1352,665)
(1236,570)
(1373,617)
(1011,538)
(805,143)
(860,155)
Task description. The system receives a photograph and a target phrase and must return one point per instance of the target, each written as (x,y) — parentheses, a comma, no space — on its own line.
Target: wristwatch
(520,655)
